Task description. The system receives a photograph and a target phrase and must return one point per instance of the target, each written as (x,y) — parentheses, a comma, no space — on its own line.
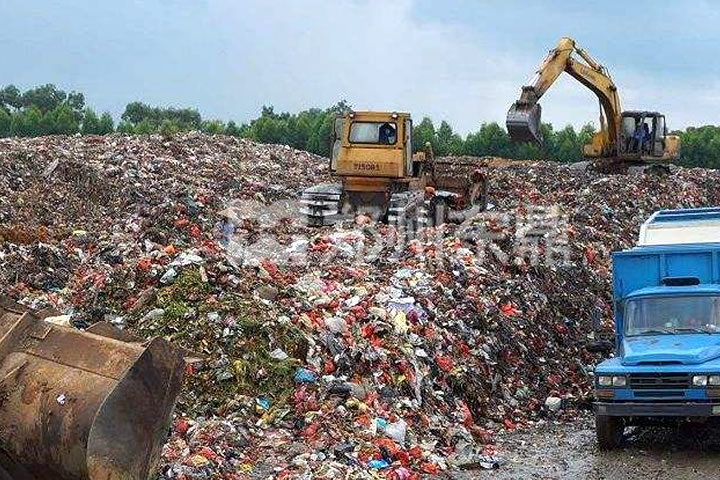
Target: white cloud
(371,53)
(375,55)
(229,57)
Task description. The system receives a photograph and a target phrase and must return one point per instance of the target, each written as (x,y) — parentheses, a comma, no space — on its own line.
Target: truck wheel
(609,431)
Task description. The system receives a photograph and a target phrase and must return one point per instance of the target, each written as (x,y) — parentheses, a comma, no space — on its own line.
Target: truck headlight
(604,381)
(700,380)
(619,381)
(714,380)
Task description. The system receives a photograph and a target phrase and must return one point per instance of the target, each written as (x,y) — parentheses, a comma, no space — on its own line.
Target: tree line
(48,110)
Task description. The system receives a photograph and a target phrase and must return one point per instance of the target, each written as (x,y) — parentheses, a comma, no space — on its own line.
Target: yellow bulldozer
(82,405)
(626,139)
(378,175)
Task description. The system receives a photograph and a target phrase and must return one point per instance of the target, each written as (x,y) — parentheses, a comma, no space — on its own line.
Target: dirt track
(570,452)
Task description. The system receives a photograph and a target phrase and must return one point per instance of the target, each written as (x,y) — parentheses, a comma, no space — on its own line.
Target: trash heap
(351,350)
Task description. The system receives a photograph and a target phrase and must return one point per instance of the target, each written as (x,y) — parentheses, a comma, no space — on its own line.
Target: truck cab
(666,294)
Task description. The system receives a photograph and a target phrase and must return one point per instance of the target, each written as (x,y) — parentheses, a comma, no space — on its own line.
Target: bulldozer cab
(372,144)
(643,134)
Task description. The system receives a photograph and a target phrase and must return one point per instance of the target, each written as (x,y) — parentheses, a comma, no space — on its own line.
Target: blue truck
(666,294)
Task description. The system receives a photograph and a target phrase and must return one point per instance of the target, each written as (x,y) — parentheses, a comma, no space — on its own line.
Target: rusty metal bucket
(76,405)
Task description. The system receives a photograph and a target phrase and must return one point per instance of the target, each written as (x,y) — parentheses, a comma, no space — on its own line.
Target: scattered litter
(332,353)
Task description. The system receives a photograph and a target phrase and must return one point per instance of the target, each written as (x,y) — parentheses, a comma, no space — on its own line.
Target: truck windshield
(382,133)
(671,315)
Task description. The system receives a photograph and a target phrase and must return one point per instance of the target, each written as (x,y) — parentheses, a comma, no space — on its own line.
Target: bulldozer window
(380,133)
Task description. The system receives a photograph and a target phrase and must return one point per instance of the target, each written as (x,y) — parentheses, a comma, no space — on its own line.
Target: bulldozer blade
(81,406)
(523,123)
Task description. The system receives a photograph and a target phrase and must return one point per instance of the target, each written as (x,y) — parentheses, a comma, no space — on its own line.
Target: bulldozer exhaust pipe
(81,406)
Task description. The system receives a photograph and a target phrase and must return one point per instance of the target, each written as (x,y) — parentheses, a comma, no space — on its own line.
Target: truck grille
(664,394)
(659,381)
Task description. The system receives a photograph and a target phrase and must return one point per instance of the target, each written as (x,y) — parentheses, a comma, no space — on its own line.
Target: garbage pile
(352,350)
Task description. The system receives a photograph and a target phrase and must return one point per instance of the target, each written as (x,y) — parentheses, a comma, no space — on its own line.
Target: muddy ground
(569,451)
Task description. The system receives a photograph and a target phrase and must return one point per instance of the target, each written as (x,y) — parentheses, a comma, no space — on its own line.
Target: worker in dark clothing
(387,134)
(638,138)
(646,138)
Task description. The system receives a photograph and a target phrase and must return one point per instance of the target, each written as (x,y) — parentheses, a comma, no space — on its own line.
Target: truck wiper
(658,331)
(693,329)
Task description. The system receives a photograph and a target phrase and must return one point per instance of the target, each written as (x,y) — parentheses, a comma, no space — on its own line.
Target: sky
(463,61)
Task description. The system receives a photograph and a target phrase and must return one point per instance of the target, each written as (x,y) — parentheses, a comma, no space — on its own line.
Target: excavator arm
(523,119)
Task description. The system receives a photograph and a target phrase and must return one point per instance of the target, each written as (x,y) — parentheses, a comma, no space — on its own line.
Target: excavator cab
(642,134)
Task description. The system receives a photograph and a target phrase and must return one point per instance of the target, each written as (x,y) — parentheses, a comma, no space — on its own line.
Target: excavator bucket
(523,123)
(76,405)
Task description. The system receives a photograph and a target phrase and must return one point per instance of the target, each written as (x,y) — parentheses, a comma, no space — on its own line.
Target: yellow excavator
(625,139)
(379,176)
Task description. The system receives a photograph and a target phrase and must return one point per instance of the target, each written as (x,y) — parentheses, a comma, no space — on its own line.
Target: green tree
(76,102)
(491,140)
(232,129)
(145,127)
(5,123)
(90,123)
(46,97)
(137,112)
(448,142)
(586,134)
(319,139)
(106,125)
(65,120)
(567,147)
(423,133)
(213,127)
(168,128)
(10,98)
(700,146)
(125,127)
(28,122)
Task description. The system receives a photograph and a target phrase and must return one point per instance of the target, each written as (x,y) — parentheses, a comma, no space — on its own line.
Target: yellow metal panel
(366,184)
(672,146)
(371,161)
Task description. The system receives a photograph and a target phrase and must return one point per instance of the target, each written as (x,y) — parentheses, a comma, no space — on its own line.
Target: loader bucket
(81,406)
(523,123)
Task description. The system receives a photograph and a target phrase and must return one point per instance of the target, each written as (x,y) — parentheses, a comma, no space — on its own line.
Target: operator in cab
(646,138)
(387,134)
(638,137)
